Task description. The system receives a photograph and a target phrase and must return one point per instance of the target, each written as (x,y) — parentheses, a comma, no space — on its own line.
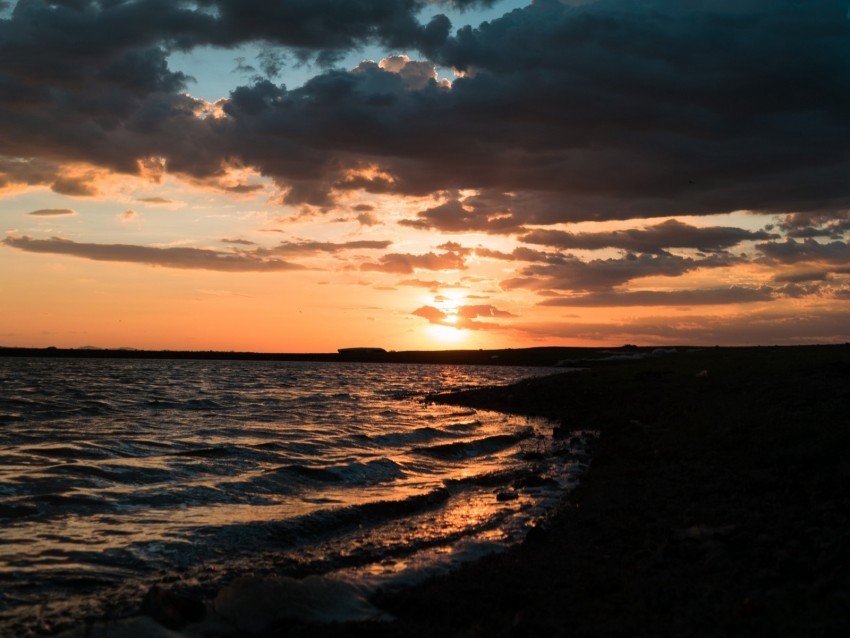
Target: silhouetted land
(546,356)
(717,504)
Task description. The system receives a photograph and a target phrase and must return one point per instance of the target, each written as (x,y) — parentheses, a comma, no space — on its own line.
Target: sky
(307,175)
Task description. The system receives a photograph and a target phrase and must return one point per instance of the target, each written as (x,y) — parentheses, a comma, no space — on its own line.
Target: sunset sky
(304,175)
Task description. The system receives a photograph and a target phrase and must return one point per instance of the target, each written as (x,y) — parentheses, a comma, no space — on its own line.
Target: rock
(255,604)
(136,627)
(172,609)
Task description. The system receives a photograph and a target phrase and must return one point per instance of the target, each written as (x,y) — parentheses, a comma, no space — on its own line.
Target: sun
(446,334)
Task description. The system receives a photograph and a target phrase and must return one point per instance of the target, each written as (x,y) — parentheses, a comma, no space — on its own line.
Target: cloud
(79,186)
(429,284)
(127,216)
(367,219)
(308,247)
(238,241)
(602,274)
(712,296)
(53,212)
(604,110)
(432,314)
(805,225)
(155,200)
(416,74)
(792,251)
(464,316)
(762,327)
(455,216)
(525,254)
(406,264)
(183,258)
(471,312)
(652,239)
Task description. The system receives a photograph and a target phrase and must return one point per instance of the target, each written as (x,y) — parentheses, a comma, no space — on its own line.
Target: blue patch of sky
(216,72)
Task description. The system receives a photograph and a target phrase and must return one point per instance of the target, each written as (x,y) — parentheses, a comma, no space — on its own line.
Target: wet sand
(717,504)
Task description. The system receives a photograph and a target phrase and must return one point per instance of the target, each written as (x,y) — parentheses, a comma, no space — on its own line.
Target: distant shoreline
(545,356)
(540,356)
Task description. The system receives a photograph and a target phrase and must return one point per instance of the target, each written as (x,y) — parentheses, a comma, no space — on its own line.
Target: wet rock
(136,627)
(254,604)
(172,609)
(535,480)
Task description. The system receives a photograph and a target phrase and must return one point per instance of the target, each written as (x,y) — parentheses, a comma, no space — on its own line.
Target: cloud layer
(574,157)
(606,110)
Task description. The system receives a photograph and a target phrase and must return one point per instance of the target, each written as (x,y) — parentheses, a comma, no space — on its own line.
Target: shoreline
(717,503)
(546,356)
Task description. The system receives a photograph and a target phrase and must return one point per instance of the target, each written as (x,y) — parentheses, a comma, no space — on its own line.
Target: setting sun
(446,334)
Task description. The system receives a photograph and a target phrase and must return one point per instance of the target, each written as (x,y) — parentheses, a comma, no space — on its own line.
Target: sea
(120,474)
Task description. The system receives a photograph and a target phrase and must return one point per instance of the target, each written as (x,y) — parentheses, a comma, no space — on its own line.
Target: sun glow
(447,334)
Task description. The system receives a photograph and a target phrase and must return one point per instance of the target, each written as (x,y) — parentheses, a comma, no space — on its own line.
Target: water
(115,474)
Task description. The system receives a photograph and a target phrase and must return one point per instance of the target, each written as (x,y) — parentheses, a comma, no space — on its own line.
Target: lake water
(116,474)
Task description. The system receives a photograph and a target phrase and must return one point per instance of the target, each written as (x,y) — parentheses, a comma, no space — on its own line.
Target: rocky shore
(717,504)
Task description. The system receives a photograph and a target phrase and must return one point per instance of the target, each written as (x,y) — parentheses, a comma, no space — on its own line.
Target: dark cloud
(18,171)
(53,212)
(805,275)
(608,110)
(792,251)
(525,254)
(456,217)
(810,225)
(798,291)
(238,242)
(713,296)
(243,189)
(653,239)
(184,258)
(602,274)
(74,186)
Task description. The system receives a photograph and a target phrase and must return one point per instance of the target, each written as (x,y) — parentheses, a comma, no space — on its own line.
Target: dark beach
(717,503)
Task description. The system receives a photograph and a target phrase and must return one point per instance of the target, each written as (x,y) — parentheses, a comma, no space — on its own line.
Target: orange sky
(516,183)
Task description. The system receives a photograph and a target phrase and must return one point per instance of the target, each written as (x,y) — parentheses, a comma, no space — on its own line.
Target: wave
(477,447)
(357,473)
(320,474)
(463,426)
(207,452)
(189,404)
(116,474)
(417,435)
(17,511)
(324,522)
